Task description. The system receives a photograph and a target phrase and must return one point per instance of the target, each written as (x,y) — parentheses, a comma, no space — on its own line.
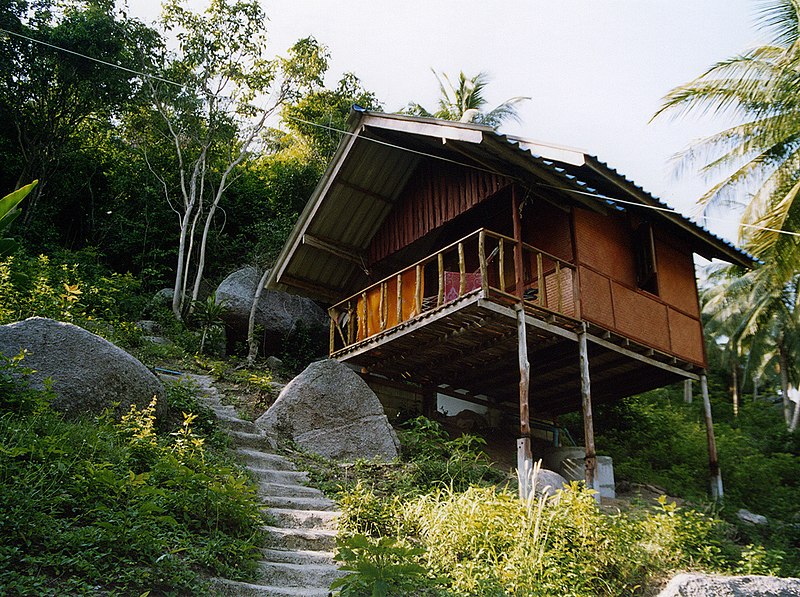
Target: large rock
(709,585)
(277,313)
(89,373)
(330,410)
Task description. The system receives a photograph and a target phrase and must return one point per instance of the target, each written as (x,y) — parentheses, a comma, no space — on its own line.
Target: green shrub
(114,507)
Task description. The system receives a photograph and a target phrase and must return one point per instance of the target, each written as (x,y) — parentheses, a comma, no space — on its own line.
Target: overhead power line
(598,196)
(92,58)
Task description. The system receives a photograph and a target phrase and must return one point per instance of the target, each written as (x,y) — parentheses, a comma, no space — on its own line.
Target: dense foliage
(461,534)
(117,506)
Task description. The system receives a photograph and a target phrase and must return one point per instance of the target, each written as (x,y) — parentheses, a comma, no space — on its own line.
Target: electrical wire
(98,60)
(598,196)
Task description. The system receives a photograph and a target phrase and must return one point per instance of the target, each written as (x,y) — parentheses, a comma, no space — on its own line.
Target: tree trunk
(251,323)
(783,360)
(795,418)
(735,388)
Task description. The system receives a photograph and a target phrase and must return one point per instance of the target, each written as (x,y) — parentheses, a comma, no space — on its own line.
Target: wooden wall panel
(596,302)
(437,193)
(686,334)
(640,317)
(548,228)
(605,244)
(676,279)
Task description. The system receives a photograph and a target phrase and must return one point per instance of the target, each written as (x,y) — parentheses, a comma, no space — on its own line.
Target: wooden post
(541,284)
(399,299)
(383,308)
(590,462)
(687,391)
(519,274)
(429,398)
(366,327)
(482,259)
(462,271)
(502,265)
(717,492)
(440,296)
(351,324)
(559,300)
(418,291)
(333,331)
(524,456)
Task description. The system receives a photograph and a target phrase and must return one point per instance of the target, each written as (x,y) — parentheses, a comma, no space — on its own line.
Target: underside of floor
(472,346)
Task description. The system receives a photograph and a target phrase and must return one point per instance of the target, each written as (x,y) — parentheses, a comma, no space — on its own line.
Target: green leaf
(10,201)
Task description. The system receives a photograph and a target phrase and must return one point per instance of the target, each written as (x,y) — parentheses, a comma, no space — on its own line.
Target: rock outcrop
(710,585)
(277,313)
(331,411)
(88,373)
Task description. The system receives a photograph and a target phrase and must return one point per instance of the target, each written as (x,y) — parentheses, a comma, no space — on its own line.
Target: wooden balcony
(449,321)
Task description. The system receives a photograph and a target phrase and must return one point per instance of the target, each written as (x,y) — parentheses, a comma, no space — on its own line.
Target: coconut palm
(761,155)
(757,314)
(465,102)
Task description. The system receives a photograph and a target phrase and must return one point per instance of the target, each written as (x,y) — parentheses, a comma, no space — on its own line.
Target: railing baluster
(399,299)
(462,271)
(502,266)
(366,327)
(351,323)
(560,303)
(382,306)
(483,265)
(440,296)
(540,275)
(333,331)
(418,291)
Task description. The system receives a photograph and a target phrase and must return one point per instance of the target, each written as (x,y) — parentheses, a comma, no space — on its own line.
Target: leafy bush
(113,507)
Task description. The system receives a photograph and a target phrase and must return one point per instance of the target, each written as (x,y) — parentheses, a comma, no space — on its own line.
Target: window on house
(646,266)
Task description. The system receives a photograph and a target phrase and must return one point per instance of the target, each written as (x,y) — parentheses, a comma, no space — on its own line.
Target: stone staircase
(298,556)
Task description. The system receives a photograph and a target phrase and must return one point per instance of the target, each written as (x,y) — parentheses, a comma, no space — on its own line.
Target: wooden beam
(315,288)
(590,462)
(363,191)
(531,320)
(687,391)
(717,492)
(348,253)
(640,357)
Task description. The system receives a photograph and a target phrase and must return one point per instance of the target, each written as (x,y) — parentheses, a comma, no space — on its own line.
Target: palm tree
(757,313)
(761,155)
(464,102)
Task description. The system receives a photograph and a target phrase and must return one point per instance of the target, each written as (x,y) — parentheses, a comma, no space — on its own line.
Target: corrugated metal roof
(375,160)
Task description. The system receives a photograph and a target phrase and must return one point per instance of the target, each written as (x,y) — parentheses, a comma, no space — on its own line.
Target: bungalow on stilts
(527,277)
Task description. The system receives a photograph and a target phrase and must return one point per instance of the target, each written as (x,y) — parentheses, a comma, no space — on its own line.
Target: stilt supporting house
(524,454)
(717,492)
(590,462)
(687,391)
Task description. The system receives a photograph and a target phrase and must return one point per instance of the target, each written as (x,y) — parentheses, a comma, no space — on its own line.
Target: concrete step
(290,490)
(258,441)
(263,460)
(303,519)
(223,586)
(297,503)
(236,424)
(281,574)
(266,475)
(297,556)
(306,539)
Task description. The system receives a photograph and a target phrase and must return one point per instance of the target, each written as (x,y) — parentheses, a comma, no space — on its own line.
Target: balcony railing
(482,262)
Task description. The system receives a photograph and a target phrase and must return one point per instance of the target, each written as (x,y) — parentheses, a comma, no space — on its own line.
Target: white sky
(596,70)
